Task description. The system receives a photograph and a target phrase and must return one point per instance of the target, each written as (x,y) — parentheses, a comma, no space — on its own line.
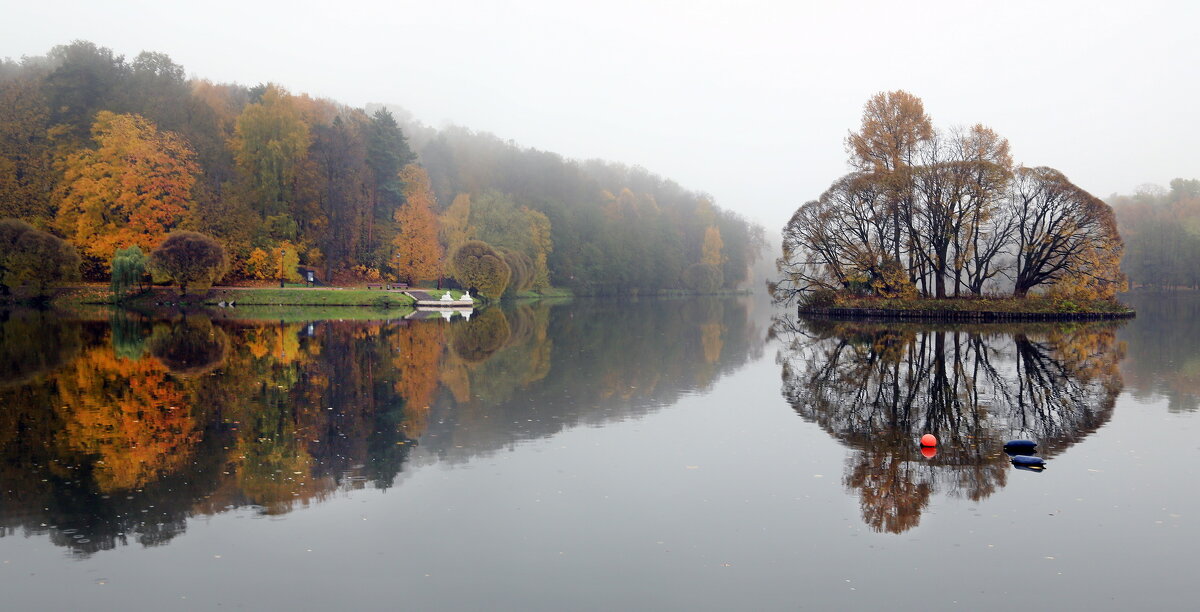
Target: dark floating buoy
(1020,445)
(1028,462)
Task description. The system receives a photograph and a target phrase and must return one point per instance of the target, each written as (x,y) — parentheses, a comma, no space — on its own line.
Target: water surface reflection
(878,387)
(117,431)
(1163,360)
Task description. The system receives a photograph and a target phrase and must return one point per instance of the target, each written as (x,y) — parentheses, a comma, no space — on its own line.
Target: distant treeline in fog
(108,153)
(1161,228)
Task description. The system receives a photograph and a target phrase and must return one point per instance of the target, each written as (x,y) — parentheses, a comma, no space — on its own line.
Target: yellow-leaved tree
(710,252)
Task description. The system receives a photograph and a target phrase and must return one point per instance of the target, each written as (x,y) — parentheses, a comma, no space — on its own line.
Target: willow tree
(1063,236)
(843,241)
(128,267)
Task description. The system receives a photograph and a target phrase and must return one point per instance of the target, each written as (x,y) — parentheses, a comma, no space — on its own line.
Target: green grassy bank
(241,296)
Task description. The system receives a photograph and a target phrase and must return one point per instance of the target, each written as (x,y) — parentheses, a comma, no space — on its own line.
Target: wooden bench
(399,286)
(375,285)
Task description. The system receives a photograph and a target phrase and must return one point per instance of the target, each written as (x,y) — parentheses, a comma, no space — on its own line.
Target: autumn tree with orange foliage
(132,189)
(418,252)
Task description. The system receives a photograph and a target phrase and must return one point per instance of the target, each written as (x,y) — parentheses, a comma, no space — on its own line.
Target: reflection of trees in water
(123,440)
(609,364)
(112,449)
(879,387)
(341,404)
(1163,360)
(128,333)
(189,347)
(33,342)
(481,337)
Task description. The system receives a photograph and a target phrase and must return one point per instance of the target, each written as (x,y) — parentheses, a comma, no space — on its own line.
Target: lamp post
(281,251)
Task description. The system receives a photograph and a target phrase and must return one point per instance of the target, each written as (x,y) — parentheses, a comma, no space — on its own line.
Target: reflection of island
(879,387)
(121,430)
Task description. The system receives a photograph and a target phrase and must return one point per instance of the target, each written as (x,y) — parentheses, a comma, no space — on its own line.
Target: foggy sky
(748,101)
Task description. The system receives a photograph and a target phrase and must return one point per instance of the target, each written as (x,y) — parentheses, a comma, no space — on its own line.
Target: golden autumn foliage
(265,264)
(710,252)
(418,252)
(132,189)
(542,243)
(894,123)
(272,465)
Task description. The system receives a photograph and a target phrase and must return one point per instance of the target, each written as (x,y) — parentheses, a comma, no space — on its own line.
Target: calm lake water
(598,455)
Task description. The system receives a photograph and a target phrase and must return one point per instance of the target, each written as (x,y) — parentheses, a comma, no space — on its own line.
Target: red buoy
(928,440)
(929,452)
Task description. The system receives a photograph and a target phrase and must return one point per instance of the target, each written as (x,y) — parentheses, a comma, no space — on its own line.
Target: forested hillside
(1162,234)
(109,153)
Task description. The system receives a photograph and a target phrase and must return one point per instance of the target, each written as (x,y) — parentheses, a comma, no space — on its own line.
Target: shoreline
(300,296)
(982,309)
(987,316)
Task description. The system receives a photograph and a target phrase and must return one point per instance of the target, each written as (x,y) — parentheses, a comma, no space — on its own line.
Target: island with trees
(943,224)
(100,155)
